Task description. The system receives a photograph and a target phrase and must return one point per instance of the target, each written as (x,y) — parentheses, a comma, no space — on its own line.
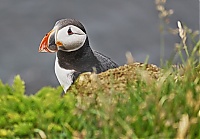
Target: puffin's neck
(79,60)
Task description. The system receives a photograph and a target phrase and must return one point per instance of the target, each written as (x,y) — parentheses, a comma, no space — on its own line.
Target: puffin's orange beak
(44,45)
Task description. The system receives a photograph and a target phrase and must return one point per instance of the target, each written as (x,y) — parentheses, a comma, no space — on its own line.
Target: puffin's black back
(105,61)
(84,60)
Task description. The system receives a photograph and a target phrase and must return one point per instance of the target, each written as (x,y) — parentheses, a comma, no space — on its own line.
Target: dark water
(113,26)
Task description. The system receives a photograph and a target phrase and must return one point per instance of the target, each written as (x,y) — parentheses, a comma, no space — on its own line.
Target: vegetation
(146,108)
(165,105)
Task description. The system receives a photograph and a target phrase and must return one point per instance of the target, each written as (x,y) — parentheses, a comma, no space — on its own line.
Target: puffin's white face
(70,38)
(64,36)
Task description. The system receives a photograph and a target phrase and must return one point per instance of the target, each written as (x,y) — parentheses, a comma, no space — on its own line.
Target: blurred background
(114,27)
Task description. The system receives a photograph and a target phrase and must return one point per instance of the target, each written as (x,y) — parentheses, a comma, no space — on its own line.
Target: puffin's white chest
(65,77)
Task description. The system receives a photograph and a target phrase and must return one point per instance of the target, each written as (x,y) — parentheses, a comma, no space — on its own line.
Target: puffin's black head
(67,35)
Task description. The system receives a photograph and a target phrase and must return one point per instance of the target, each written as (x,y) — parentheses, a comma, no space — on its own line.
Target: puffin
(69,40)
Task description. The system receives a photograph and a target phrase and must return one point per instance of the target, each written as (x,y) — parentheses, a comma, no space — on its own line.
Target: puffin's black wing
(106,62)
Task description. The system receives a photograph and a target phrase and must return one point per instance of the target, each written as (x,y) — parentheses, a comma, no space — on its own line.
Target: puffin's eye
(69,31)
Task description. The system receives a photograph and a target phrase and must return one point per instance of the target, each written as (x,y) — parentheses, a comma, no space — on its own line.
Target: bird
(69,40)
